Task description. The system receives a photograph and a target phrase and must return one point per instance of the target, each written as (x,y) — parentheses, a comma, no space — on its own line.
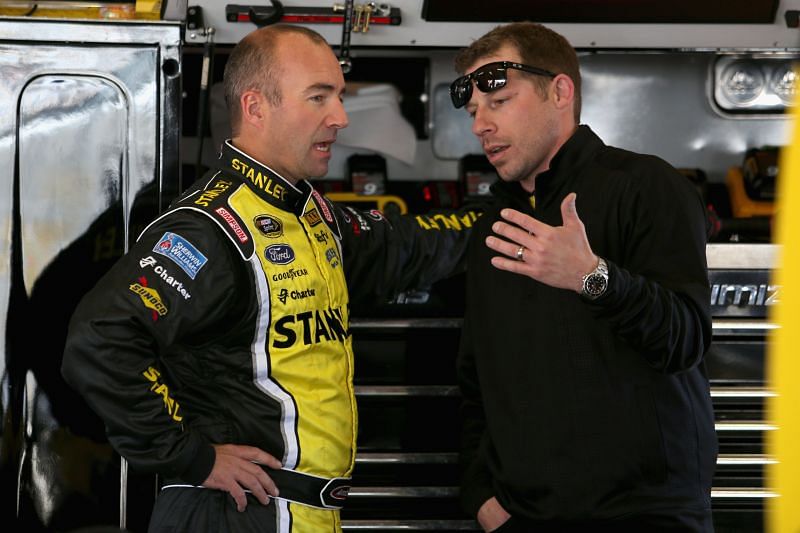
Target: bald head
(255,64)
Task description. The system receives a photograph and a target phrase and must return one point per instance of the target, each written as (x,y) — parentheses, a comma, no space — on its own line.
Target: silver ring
(520,253)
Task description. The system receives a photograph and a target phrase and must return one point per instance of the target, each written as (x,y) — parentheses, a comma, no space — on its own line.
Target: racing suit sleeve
(121,332)
(387,254)
(658,295)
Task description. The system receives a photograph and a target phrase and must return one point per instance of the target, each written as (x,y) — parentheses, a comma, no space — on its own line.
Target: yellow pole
(783,353)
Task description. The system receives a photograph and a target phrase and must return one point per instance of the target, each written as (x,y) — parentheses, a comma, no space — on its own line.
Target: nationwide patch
(181,252)
(279,254)
(269,226)
(150,298)
(234,225)
(313,217)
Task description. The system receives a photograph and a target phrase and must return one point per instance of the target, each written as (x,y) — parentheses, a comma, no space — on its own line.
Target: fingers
(250,453)
(526,222)
(504,247)
(237,470)
(569,213)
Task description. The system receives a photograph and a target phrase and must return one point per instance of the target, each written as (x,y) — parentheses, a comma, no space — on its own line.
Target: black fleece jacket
(579,410)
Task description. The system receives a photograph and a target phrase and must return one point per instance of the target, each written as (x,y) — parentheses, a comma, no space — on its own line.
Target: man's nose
(338,116)
(481,124)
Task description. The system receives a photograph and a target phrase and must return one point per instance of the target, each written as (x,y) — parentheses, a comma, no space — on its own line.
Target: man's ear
(252,105)
(563,91)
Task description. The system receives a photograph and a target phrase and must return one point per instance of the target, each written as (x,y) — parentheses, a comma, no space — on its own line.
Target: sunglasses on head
(490,77)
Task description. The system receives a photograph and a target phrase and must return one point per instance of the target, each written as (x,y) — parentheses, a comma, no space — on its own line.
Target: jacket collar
(567,163)
(265,182)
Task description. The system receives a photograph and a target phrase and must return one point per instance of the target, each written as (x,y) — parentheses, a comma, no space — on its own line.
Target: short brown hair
(537,45)
(253,65)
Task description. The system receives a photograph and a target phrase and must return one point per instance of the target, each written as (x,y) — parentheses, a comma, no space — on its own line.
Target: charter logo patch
(269,226)
(313,217)
(279,254)
(181,252)
(150,298)
(285,294)
(234,225)
(166,277)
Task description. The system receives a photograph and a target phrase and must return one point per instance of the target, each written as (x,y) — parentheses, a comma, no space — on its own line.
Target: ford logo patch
(279,254)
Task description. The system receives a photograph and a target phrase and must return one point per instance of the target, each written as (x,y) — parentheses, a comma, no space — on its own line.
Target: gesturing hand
(235,470)
(558,256)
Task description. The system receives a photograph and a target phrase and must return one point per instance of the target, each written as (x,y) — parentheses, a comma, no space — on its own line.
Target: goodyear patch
(181,252)
(150,298)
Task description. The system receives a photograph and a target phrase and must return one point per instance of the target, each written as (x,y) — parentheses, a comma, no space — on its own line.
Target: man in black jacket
(218,350)
(586,405)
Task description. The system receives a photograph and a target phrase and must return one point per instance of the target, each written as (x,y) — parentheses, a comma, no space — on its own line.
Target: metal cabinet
(88,155)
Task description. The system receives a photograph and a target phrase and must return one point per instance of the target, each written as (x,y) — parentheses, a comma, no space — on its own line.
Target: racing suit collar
(265,182)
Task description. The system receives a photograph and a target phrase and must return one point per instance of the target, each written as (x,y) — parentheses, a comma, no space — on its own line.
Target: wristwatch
(595,282)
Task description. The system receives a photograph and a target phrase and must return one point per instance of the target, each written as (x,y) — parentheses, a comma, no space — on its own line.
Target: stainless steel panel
(73,137)
(88,155)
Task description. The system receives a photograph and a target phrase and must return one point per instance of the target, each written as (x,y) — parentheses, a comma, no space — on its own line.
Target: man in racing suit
(218,349)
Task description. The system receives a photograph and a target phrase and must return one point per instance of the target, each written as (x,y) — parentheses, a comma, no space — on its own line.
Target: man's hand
(235,470)
(491,515)
(558,256)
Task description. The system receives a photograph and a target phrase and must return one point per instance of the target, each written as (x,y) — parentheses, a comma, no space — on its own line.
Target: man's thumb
(569,214)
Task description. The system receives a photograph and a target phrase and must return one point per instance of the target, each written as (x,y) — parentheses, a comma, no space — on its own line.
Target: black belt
(310,490)
(319,492)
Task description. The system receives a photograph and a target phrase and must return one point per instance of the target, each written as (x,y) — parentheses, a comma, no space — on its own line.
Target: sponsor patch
(326,213)
(150,298)
(181,252)
(332,257)
(164,274)
(285,294)
(375,215)
(340,493)
(279,254)
(207,196)
(322,237)
(313,217)
(269,226)
(234,225)
(290,274)
(362,223)
(310,327)
(161,389)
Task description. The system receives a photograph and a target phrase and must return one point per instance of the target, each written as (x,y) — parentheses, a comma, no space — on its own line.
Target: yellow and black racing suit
(228,322)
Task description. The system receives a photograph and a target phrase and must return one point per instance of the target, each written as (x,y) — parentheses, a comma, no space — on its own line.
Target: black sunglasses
(490,77)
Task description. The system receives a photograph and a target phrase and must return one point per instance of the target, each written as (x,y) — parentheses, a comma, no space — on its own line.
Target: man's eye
(317,98)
